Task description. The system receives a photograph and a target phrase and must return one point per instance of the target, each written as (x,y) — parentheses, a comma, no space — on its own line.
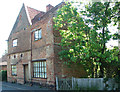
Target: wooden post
(72,82)
(57,83)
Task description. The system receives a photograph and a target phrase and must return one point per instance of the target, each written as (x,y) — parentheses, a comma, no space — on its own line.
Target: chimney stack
(48,7)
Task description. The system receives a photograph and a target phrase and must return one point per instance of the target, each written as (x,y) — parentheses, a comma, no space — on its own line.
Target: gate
(63,84)
(85,84)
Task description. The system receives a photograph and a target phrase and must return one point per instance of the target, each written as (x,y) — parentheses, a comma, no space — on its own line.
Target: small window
(14,70)
(21,55)
(38,34)
(15,43)
(39,70)
(14,56)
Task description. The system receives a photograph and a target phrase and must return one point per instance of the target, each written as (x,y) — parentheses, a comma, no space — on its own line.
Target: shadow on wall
(74,70)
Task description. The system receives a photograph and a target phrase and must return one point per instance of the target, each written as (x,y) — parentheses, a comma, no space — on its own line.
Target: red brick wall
(43,48)
(20,69)
(23,42)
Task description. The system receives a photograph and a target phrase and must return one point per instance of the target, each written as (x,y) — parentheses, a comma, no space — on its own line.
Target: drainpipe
(30,63)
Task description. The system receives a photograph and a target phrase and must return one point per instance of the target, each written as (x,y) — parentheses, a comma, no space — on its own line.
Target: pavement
(14,87)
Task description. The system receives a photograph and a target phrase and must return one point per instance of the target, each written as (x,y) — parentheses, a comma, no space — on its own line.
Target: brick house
(33,48)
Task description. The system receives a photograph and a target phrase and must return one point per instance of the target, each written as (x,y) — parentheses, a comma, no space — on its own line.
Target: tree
(100,15)
(84,44)
(73,31)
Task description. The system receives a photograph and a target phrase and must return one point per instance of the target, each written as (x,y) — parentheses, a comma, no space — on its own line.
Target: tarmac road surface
(14,87)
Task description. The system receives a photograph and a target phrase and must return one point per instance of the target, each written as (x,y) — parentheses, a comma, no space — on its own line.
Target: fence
(85,84)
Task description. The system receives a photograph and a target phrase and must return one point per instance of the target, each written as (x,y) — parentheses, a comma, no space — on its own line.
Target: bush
(3,75)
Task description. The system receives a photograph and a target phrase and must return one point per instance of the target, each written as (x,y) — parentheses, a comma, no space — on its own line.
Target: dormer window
(38,34)
(14,42)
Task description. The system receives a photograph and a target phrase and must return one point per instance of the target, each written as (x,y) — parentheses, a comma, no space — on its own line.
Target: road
(13,87)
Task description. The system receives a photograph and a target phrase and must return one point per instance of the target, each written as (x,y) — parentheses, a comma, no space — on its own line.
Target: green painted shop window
(14,70)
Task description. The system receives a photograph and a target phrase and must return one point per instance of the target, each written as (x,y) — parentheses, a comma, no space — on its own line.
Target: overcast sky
(9,11)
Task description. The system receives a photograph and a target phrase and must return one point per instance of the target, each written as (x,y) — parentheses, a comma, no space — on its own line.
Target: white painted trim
(28,16)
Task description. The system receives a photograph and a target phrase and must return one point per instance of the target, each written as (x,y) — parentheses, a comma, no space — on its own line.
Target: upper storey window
(38,34)
(15,42)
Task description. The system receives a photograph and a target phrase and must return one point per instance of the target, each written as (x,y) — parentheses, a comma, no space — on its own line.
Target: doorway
(26,74)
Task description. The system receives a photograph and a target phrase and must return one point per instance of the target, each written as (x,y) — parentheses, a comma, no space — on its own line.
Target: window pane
(42,63)
(45,69)
(14,42)
(45,64)
(14,70)
(36,69)
(45,75)
(35,64)
(39,69)
(42,69)
(42,75)
(36,35)
(40,33)
(38,64)
(36,74)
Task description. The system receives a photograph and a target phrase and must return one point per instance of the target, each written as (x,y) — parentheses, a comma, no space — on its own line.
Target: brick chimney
(48,7)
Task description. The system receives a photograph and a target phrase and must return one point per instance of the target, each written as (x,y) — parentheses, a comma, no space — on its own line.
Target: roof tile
(32,12)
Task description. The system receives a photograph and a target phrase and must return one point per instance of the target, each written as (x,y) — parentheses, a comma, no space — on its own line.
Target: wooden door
(26,76)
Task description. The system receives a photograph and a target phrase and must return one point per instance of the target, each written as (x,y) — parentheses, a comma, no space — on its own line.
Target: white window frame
(15,42)
(38,34)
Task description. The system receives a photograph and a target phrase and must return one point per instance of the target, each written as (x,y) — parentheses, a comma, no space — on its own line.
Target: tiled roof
(32,12)
(43,15)
(37,17)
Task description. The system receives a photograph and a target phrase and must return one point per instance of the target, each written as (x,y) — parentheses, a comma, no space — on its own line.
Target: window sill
(39,78)
(14,75)
(15,46)
(37,39)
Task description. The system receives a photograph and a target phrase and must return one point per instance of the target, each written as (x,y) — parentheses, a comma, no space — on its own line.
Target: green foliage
(84,37)
(3,75)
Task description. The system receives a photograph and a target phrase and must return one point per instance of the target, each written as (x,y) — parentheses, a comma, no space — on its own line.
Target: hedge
(3,75)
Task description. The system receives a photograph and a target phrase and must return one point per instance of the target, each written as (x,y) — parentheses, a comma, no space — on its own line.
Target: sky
(9,11)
